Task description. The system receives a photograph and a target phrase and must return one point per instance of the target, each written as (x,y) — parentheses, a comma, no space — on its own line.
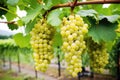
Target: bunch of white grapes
(41,42)
(118,29)
(98,56)
(73,30)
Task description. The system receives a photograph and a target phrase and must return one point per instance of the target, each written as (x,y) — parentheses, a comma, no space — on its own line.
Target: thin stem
(9,11)
(73,5)
(12,22)
(19,67)
(59,65)
(10,63)
(4,60)
(36,73)
(118,69)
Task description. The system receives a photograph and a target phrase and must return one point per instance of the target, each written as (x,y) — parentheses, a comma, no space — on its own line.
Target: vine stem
(70,4)
(12,22)
(73,5)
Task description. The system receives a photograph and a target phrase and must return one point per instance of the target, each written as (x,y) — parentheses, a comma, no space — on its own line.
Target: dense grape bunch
(41,42)
(118,29)
(98,56)
(73,30)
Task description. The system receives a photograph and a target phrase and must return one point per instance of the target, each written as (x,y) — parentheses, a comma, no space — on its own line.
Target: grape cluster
(98,56)
(73,30)
(118,29)
(41,42)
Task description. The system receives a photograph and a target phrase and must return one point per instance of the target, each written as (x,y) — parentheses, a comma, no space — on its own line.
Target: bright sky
(4,26)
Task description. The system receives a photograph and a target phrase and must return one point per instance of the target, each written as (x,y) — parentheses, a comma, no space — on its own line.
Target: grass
(9,75)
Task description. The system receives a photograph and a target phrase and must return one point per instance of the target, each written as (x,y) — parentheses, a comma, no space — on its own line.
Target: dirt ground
(53,73)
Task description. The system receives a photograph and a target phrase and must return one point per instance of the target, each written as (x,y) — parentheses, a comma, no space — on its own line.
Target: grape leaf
(53,18)
(102,10)
(103,31)
(33,3)
(57,40)
(11,14)
(20,23)
(90,13)
(55,2)
(29,26)
(12,2)
(115,8)
(21,40)
(13,26)
(48,4)
(111,19)
(32,14)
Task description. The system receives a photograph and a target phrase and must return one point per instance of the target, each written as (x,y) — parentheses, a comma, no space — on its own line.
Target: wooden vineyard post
(36,73)
(59,65)
(85,73)
(19,68)
(118,59)
(10,65)
(92,76)
(118,63)
(78,75)
(3,60)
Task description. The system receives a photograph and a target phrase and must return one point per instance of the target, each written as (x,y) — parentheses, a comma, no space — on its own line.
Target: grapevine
(98,56)
(73,31)
(41,42)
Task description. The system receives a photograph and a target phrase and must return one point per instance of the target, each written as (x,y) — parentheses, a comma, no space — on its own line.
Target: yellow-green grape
(118,29)
(73,30)
(41,42)
(98,56)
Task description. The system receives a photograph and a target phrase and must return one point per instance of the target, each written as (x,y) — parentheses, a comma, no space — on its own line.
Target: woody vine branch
(76,3)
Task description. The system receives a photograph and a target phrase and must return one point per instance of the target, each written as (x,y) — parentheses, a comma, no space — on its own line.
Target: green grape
(98,56)
(41,42)
(118,29)
(73,30)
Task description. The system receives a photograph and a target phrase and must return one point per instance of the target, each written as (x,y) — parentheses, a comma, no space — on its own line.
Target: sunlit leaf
(12,2)
(21,40)
(53,18)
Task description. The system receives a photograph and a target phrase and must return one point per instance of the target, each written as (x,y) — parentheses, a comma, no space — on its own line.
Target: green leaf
(13,26)
(21,40)
(111,19)
(102,10)
(33,3)
(55,2)
(103,31)
(97,7)
(53,18)
(12,2)
(20,23)
(85,59)
(29,26)
(115,8)
(90,13)
(11,14)
(57,40)
(32,14)
(48,4)
(65,1)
